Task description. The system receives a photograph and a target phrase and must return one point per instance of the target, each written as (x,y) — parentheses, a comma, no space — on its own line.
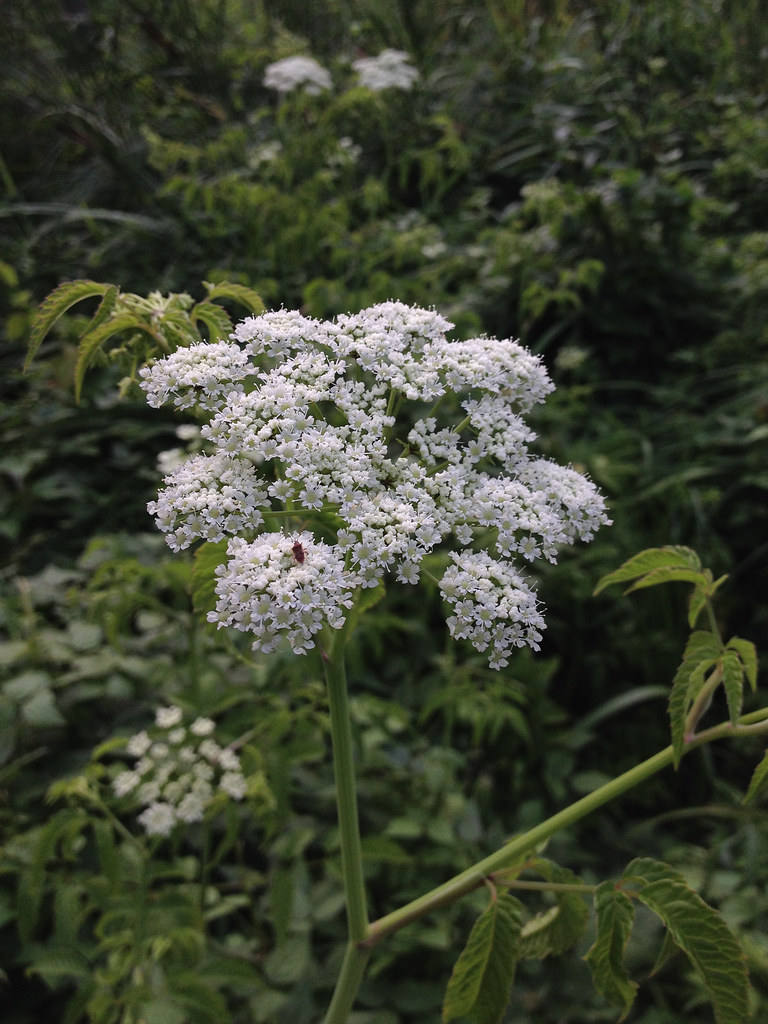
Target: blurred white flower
(293,72)
(390,70)
(176,783)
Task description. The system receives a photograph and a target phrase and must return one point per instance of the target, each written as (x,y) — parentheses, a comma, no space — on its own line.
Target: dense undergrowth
(589,177)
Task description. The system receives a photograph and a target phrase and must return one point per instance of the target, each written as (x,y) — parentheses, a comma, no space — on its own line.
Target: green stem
(346,797)
(564,887)
(350,976)
(356,956)
(702,702)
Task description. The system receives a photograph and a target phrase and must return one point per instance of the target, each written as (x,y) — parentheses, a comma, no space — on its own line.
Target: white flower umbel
(297,72)
(390,70)
(341,452)
(179,773)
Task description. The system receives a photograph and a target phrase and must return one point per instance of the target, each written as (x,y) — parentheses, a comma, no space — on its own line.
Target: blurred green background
(591,177)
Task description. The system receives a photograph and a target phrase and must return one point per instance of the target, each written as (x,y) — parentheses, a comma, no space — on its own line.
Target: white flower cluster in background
(178,772)
(390,70)
(383,441)
(297,72)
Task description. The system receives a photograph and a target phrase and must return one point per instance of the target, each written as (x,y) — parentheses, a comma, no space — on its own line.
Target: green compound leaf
(702,652)
(615,914)
(758,782)
(733,683)
(670,574)
(653,561)
(95,339)
(215,319)
(708,943)
(696,606)
(238,293)
(482,977)
(56,305)
(203,587)
(748,654)
(648,869)
(559,927)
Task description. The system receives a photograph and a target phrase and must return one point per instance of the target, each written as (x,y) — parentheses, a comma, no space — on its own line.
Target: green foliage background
(588,176)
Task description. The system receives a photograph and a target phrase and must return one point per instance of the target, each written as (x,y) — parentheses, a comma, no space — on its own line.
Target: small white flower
(191,808)
(139,744)
(158,819)
(125,782)
(202,727)
(166,718)
(234,784)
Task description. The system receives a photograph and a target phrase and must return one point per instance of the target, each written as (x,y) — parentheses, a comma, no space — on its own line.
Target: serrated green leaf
(696,606)
(482,977)
(702,653)
(91,342)
(650,560)
(669,948)
(238,293)
(747,651)
(702,645)
(215,318)
(561,926)
(733,683)
(678,706)
(706,940)
(56,305)
(671,574)
(207,559)
(758,782)
(648,869)
(105,307)
(615,914)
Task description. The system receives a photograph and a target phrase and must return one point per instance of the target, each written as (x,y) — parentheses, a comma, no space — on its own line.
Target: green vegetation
(587,176)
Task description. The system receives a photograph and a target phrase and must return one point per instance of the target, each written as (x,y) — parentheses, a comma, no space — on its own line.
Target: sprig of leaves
(151,326)
(707,662)
(692,926)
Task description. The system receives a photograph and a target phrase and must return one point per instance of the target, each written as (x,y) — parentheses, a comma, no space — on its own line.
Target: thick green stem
(350,976)
(346,796)
(356,955)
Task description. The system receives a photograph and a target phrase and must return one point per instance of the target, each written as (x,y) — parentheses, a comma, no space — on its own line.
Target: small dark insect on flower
(298,553)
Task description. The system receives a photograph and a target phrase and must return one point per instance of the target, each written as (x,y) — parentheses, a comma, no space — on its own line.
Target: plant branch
(516,850)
